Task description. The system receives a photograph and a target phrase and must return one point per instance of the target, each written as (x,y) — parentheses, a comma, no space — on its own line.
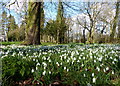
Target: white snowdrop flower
(83,57)
(44,58)
(24,57)
(44,53)
(49,60)
(74,58)
(37,60)
(101,64)
(36,68)
(44,67)
(49,72)
(65,57)
(67,70)
(98,68)
(112,72)
(33,59)
(68,60)
(100,59)
(72,62)
(72,54)
(57,63)
(94,80)
(37,64)
(91,57)
(64,68)
(61,63)
(115,59)
(93,74)
(44,72)
(84,75)
(113,62)
(107,68)
(110,57)
(32,70)
(94,61)
(77,53)
(90,53)
(44,64)
(104,70)
(82,65)
(78,61)
(79,57)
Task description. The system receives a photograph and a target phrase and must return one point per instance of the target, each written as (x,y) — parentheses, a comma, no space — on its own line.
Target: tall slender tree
(60,19)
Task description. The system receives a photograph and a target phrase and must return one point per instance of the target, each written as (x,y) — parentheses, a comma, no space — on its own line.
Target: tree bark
(33,24)
(115,22)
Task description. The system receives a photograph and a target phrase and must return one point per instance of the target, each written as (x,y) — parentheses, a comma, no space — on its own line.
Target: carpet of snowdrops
(83,64)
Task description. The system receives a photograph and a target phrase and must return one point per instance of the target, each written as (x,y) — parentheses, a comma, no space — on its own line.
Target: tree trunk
(115,22)
(33,23)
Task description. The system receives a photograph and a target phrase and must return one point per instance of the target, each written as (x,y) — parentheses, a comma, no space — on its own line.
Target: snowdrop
(64,68)
(93,74)
(84,75)
(82,65)
(112,72)
(98,68)
(94,80)
(44,72)
(49,72)
(32,70)
(49,60)
(37,64)
(94,61)
(67,70)
(107,68)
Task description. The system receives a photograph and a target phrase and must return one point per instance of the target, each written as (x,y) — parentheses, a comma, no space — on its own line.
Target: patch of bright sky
(50,9)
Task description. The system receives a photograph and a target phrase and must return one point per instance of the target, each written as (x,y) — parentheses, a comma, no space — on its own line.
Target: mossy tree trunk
(33,24)
(113,29)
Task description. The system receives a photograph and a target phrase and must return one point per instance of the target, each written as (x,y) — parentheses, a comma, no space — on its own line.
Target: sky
(50,12)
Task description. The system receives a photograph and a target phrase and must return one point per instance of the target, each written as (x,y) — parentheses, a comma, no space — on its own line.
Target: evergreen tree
(4,22)
(11,23)
(61,26)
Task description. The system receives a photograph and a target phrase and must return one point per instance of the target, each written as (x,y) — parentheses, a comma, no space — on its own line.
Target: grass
(9,43)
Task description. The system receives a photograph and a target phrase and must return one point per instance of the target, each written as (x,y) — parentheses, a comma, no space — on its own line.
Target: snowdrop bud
(113,62)
(32,70)
(67,70)
(107,68)
(36,68)
(104,70)
(49,72)
(83,57)
(64,68)
(37,64)
(44,72)
(33,59)
(61,63)
(92,74)
(78,61)
(84,75)
(94,80)
(98,68)
(49,60)
(82,65)
(94,61)
(112,72)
